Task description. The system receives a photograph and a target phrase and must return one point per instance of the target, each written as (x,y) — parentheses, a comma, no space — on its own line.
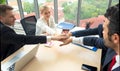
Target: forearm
(94,41)
(77,40)
(87,32)
(90,41)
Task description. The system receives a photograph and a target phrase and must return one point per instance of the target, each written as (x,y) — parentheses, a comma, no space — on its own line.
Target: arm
(9,34)
(94,41)
(10,41)
(94,31)
(90,41)
(38,28)
(52,22)
(49,30)
(41,28)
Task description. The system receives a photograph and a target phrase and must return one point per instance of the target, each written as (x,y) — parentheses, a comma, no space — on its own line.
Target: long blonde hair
(43,8)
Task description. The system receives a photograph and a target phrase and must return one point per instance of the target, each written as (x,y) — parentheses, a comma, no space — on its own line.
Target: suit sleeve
(87,32)
(94,41)
(11,42)
(9,34)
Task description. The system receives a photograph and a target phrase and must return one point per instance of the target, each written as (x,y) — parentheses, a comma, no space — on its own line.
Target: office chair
(29,25)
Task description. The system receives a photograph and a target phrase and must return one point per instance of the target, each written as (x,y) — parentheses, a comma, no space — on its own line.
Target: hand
(60,37)
(67,41)
(69,34)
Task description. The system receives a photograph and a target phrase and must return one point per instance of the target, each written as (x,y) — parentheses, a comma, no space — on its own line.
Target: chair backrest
(29,25)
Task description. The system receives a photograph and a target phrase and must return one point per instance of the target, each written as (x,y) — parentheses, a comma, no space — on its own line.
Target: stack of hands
(64,37)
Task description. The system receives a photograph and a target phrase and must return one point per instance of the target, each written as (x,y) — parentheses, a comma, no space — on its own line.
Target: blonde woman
(46,23)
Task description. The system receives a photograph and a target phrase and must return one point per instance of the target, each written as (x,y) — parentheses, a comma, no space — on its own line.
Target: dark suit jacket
(94,31)
(109,56)
(107,53)
(10,41)
(98,42)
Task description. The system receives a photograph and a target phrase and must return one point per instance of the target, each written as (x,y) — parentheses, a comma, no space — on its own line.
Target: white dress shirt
(41,26)
(78,40)
(117,64)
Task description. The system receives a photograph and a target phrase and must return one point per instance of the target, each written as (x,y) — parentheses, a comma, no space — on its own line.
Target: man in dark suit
(111,34)
(92,31)
(10,41)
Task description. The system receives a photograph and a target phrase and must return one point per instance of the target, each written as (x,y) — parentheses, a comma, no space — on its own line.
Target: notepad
(66,25)
(88,47)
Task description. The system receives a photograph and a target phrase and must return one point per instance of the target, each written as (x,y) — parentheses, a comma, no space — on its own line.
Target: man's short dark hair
(112,14)
(4,8)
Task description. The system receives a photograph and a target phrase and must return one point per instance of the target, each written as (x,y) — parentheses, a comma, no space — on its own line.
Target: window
(114,2)
(93,10)
(28,7)
(14,4)
(67,10)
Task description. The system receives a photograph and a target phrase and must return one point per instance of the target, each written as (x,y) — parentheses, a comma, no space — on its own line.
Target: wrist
(69,34)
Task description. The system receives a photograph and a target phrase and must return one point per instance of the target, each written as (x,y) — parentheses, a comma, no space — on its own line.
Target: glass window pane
(28,7)
(14,4)
(114,2)
(93,10)
(67,10)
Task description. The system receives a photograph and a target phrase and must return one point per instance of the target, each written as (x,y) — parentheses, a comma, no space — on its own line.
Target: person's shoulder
(1,25)
(40,20)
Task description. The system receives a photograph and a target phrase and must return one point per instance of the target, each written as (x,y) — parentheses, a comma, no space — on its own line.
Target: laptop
(20,58)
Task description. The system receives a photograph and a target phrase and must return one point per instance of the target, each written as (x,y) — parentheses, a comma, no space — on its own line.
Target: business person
(111,36)
(10,41)
(92,31)
(46,23)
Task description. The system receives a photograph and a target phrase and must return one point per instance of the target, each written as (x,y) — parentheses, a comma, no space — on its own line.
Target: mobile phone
(88,67)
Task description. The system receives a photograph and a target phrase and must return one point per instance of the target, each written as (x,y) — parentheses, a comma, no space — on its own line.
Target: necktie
(112,63)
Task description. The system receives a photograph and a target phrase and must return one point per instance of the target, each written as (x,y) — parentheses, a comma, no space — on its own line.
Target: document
(66,25)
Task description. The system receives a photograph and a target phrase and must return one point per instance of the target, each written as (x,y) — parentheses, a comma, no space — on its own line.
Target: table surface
(63,58)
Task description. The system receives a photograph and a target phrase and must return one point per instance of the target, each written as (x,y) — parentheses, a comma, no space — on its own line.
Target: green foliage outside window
(70,10)
(2,1)
(89,8)
(49,0)
(28,7)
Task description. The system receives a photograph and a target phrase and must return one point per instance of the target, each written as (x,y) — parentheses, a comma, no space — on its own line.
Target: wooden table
(65,58)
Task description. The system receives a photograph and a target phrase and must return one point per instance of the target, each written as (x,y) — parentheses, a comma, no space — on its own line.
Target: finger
(62,44)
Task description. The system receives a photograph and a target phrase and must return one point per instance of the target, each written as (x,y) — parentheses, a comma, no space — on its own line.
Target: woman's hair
(4,8)
(43,8)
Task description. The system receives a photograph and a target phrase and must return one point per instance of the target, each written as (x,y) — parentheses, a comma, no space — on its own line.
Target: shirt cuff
(77,40)
(48,38)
